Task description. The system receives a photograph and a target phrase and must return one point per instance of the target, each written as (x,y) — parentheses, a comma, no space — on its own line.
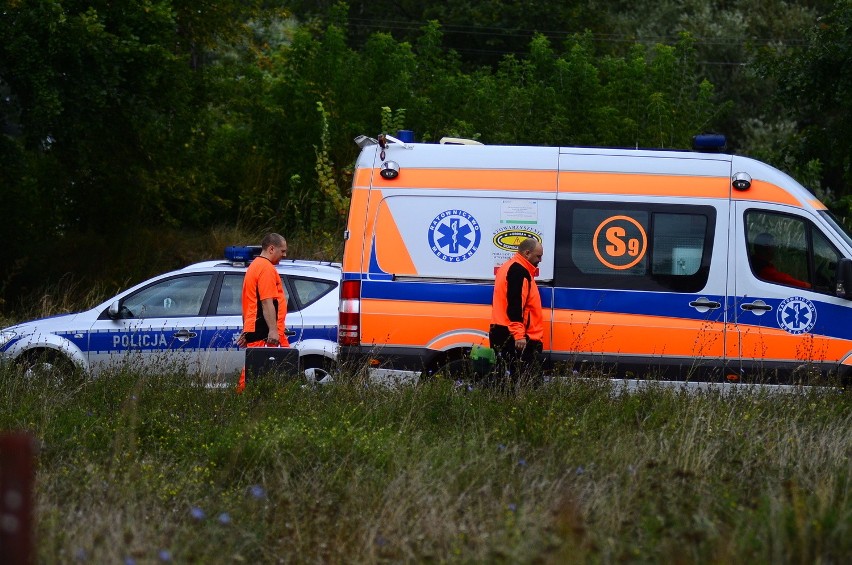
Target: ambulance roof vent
(363,141)
(458,141)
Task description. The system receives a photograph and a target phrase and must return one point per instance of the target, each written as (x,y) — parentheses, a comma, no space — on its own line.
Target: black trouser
(519,365)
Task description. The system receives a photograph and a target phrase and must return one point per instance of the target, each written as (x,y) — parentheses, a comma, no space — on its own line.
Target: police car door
(157,327)
(785,312)
(225,324)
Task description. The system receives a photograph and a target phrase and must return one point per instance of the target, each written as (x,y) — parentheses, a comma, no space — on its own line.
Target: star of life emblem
(797,315)
(454,236)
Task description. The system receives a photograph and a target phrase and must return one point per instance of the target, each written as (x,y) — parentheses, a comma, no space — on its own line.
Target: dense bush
(165,116)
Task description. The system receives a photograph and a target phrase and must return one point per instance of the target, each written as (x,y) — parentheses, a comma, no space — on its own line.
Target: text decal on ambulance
(508,239)
(454,236)
(620,242)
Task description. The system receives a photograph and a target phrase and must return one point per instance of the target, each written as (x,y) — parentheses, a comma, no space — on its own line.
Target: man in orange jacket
(264,300)
(516,319)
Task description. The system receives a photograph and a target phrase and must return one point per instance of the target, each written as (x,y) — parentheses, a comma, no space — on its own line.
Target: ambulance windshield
(838,226)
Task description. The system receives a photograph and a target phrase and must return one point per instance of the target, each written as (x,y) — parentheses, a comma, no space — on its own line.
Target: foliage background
(135,134)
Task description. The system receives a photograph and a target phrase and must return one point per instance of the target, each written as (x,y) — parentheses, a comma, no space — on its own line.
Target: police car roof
(286,265)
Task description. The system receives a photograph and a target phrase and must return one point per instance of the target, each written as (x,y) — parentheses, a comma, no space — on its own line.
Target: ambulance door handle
(703,304)
(758,307)
(185,335)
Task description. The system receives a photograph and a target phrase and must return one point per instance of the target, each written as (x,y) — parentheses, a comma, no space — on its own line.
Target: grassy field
(145,469)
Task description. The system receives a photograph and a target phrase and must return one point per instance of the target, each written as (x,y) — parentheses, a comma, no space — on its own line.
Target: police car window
(633,246)
(178,296)
(230,296)
(310,290)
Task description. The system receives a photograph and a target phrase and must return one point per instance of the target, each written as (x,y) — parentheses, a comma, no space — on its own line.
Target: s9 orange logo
(623,244)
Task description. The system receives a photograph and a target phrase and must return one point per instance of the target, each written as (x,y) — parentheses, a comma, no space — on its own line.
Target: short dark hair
(528,244)
(764,240)
(272,239)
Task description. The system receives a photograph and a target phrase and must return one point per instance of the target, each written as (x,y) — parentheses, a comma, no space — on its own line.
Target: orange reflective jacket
(517,303)
(262,282)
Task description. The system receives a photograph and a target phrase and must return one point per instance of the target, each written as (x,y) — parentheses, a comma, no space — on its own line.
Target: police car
(185,320)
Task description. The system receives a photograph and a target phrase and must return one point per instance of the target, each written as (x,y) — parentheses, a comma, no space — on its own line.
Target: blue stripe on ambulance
(832,319)
(430,292)
(641,303)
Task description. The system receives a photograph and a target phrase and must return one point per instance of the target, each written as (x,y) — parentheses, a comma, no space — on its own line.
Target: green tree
(104,116)
(815,86)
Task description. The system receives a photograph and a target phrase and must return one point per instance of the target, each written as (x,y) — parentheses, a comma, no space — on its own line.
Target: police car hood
(48,324)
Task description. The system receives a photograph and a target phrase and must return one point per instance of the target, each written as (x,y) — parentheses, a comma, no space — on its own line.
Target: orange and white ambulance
(656,263)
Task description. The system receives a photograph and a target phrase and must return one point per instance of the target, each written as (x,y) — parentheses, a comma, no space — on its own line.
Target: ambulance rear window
(634,246)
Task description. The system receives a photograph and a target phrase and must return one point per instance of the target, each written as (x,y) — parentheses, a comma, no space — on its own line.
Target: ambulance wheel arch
(452,351)
(844,371)
(451,364)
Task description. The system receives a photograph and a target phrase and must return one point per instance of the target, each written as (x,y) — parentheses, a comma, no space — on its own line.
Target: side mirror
(114,311)
(844,278)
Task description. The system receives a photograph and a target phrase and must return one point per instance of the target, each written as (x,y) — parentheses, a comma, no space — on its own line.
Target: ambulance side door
(787,319)
(641,283)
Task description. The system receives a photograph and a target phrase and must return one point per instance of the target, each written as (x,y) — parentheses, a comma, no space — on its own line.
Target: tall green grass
(154,468)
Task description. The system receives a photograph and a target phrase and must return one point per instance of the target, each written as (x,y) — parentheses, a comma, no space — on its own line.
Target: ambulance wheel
(49,364)
(456,369)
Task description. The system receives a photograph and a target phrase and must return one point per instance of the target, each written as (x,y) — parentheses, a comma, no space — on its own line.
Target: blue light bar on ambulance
(709,142)
(405,135)
(241,253)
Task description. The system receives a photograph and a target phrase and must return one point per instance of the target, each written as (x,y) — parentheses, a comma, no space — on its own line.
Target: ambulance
(677,265)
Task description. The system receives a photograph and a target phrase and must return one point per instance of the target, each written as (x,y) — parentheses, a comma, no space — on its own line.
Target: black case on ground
(279,361)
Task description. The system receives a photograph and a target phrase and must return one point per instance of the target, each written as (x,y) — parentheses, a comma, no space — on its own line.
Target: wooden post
(17,475)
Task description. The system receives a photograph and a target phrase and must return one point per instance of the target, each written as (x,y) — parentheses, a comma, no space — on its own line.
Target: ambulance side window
(633,246)
(790,251)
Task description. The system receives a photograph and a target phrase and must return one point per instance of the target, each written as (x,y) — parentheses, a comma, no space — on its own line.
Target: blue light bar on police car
(709,142)
(241,253)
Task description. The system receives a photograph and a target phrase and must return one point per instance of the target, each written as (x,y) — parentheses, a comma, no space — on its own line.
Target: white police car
(187,319)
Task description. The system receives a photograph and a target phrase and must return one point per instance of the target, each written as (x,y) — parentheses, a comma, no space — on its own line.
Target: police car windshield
(838,226)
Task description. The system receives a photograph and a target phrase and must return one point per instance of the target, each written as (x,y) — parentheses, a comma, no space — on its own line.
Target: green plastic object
(482,359)
(478,352)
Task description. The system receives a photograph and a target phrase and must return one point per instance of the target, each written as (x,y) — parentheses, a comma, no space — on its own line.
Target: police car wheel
(316,368)
(49,364)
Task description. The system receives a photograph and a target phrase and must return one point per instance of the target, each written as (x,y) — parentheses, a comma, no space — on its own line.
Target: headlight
(5,337)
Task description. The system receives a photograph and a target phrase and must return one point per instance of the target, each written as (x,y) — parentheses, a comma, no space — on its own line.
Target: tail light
(349,331)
